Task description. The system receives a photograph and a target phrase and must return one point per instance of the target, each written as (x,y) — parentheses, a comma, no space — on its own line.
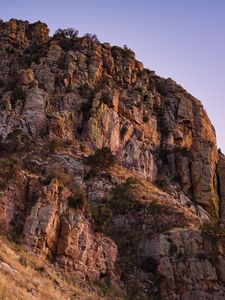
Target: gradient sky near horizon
(181,39)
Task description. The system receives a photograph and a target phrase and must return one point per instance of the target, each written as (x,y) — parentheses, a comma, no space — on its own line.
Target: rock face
(50,227)
(62,100)
(154,126)
(34,111)
(221,177)
(91,255)
(191,265)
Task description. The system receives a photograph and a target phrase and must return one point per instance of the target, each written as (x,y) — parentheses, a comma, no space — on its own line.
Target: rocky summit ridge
(110,175)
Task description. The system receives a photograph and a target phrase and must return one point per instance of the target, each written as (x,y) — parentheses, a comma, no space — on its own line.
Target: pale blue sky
(181,39)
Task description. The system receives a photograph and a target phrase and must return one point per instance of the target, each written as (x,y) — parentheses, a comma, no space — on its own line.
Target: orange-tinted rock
(80,250)
(26,76)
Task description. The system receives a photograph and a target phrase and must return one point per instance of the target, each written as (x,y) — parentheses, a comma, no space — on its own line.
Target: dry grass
(148,193)
(24,276)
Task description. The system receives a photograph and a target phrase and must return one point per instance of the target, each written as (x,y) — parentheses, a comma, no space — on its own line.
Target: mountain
(111,183)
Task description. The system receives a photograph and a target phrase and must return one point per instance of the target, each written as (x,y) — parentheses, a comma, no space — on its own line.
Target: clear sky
(181,39)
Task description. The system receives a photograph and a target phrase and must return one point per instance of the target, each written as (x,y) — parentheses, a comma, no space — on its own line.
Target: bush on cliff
(66,38)
(54,145)
(78,199)
(17,94)
(213,231)
(15,141)
(8,167)
(106,98)
(101,160)
(102,215)
(123,197)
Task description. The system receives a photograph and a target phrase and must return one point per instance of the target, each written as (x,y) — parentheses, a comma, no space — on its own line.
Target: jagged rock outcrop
(63,99)
(52,229)
(34,111)
(92,256)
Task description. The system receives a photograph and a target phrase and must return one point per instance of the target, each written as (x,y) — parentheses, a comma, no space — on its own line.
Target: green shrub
(184,151)
(16,140)
(17,94)
(140,73)
(101,160)
(139,89)
(162,88)
(91,37)
(67,38)
(54,145)
(213,230)
(82,147)
(106,98)
(128,53)
(85,91)
(61,65)
(8,167)
(68,33)
(64,43)
(123,197)
(15,134)
(155,208)
(77,200)
(102,215)
(145,119)
(139,105)
(103,286)
(130,181)
(47,180)
(214,259)
(26,140)
(33,54)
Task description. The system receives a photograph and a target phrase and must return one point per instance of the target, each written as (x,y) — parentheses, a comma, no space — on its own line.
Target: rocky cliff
(108,171)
